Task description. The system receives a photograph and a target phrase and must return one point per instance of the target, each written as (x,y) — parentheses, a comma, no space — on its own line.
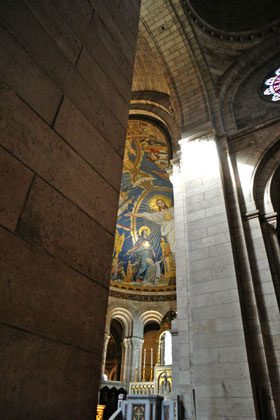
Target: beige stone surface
(62,129)
(47,154)
(15,181)
(94,45)
(54,223)
(61,302)
(121,12)
(112,46)
(106,16)
(100,83)
(45,378)
(87,8)
(16,68)
(88,143)
(126,11)
(55,25)
(22,24)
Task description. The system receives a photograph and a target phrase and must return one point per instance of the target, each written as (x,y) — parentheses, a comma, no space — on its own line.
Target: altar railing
(142,388)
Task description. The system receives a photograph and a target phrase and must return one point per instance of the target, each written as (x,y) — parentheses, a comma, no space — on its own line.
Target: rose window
(273,88)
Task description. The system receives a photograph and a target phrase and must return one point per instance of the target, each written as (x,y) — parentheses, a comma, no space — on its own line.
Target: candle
(136,358)
(144,358)
(151,358)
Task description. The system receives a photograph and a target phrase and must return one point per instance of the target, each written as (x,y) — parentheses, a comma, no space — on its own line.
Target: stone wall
(66,74)
(254,165)
(249,108)
(212,370)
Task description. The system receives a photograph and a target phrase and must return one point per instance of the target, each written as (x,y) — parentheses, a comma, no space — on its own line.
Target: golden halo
(144,227)
(153,204)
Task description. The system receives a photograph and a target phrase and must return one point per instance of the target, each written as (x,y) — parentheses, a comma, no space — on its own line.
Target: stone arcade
(205,75)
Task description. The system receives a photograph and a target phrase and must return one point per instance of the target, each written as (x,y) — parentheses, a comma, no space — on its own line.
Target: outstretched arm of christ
(152,217)
(132,214)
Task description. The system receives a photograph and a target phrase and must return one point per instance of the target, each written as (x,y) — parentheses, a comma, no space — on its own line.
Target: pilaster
(212,367)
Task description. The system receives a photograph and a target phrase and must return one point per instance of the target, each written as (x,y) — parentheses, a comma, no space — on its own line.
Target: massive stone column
(211,371)
(65,83)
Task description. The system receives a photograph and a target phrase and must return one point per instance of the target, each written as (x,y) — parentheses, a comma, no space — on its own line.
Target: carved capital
(271,220)
(206,137)
(252,214)
(126,342)
(176,165)
(137,342)
(207,134)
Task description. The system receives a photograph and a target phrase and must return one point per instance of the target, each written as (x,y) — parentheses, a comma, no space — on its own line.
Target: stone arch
(144,106)
(122,315)
(150,316)
(182,67)
(234,18)
(259,56)
(264,173)
(155,115)
(269,216)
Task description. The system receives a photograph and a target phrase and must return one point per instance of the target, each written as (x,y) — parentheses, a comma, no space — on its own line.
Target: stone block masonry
(216,371)
(65,85)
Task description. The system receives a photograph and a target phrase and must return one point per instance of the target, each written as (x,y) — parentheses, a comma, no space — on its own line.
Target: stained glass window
(274,86)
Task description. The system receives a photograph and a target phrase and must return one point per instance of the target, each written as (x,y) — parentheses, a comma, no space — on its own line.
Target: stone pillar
(106,341)
(264,341)
(213,369)
(259,310)
(136,345)
(271,232)
(65,88)
(125,359)
(181,337)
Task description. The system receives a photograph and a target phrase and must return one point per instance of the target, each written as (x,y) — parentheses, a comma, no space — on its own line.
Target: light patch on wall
(168,348)
(245,172)
(199,158)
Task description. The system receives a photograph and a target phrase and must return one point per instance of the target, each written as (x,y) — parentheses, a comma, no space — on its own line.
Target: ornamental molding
(143,298)
(243,36)
(205,135)
(252,214)
(208,137)
(176,163)
(271,220)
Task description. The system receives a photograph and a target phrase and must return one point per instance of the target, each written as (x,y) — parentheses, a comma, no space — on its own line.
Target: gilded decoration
(138,412)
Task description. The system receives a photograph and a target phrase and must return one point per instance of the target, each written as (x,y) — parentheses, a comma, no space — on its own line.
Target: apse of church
(144,250)
(143,285)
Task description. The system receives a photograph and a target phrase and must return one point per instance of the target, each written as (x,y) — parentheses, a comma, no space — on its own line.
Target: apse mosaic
(144,250)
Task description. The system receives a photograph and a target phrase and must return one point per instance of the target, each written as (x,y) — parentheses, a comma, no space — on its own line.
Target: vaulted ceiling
(189,52)
(237,15)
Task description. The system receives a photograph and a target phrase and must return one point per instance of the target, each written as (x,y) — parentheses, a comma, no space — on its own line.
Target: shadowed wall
(61,159)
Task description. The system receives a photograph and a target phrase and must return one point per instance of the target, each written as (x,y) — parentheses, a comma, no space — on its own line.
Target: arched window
(151,331)
(168,348)
(165,348)
(271,86)
(114,352)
